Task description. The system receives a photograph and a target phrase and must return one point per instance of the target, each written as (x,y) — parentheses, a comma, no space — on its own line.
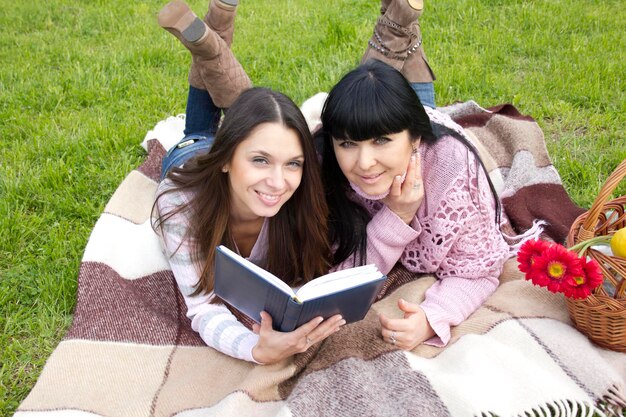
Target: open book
(251,289)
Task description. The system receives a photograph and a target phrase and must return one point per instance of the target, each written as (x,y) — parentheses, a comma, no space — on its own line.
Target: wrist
(405,217)
(428,328)
(258,355)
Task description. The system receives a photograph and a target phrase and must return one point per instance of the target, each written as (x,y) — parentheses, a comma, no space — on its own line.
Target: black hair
(372,100)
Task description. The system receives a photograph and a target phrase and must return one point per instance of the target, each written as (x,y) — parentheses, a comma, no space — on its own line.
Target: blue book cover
(251,289)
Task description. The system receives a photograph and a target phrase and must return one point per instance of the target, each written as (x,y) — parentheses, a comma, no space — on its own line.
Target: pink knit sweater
(453,235)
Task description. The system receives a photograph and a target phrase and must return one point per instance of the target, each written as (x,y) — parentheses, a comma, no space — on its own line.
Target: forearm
(387,237)
(215,324)
(221,330)
(451,300)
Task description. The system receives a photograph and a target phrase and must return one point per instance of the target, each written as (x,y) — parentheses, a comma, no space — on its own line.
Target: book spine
(276,302)
(291,316)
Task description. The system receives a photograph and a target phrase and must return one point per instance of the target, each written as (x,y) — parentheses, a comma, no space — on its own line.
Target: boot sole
(177,16)
(227,4)
(416,4)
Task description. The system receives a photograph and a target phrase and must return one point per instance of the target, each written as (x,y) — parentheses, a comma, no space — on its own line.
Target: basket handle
(587,230)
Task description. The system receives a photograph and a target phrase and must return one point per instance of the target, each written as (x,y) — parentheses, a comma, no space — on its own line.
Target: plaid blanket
(131,351)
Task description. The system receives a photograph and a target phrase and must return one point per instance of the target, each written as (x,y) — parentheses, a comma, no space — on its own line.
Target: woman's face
(372,164)
(265,171)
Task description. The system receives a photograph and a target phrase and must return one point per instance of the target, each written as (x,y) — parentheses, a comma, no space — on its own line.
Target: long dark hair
(298,248)
(371,101)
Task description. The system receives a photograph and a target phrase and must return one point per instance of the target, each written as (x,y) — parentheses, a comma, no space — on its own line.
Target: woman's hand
(405,198)
(408,332)
(275,346)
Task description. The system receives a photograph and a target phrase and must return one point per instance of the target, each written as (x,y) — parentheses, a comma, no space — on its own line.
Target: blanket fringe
(563,408)
(534,232)
(614,402)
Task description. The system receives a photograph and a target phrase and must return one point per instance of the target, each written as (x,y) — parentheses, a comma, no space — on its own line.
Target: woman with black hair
(404,184)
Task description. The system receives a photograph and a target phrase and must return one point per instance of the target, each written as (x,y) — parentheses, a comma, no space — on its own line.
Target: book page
(266,275)
(338,281)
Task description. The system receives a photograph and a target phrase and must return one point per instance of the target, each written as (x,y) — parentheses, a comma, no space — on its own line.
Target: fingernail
(342,322)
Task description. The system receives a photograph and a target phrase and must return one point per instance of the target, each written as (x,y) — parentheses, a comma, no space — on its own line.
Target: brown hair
(298,248)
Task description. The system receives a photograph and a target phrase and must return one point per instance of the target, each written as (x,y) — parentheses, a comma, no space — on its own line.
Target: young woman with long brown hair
(252,185)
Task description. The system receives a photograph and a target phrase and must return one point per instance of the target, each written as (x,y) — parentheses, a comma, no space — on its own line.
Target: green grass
(82,81)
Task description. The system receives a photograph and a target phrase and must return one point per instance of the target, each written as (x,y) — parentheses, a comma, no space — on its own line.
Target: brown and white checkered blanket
(131,351)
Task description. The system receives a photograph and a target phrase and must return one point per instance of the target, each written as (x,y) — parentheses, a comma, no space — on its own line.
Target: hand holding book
(274,346)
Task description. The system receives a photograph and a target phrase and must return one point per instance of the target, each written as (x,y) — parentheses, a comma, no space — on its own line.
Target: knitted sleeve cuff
(416,225)
(387,226)
(439,324)
(387,236)
(246,348)
(451,300)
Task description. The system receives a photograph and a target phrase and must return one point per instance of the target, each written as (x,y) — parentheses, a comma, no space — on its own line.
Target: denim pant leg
(203,115)
(201,123)
(186,149)
(426,93)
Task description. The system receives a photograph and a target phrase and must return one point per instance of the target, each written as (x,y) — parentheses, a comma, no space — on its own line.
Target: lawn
(82,81)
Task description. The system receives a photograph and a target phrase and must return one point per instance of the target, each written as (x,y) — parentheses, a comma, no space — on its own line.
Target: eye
(295,164)
(260,160)
(381,140)
(347,144)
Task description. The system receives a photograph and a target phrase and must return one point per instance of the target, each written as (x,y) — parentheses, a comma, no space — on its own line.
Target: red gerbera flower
(555,265)
(580,286)
(528,252)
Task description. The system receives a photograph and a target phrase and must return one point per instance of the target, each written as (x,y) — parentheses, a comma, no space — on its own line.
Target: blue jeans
(426,93)
(200,126)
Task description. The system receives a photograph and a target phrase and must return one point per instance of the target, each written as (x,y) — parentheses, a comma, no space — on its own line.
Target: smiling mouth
(269,199)
(370,179)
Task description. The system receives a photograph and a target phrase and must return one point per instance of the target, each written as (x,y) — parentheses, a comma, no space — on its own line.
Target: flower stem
(581,247)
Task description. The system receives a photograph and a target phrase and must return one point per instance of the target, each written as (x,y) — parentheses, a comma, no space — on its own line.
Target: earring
(224,170)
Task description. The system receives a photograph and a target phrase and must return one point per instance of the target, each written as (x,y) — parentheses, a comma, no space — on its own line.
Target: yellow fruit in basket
(618,243)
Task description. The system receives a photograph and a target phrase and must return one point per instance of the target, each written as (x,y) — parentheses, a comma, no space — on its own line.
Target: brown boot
(220,72)
(177,13)
(393,40)
(416,68)
(397,39)
(221,18)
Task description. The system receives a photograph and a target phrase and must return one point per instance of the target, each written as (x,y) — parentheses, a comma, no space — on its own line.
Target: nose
(367,158)
(276,178)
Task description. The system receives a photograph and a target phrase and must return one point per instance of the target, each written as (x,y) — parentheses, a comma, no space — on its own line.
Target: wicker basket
(602,315)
